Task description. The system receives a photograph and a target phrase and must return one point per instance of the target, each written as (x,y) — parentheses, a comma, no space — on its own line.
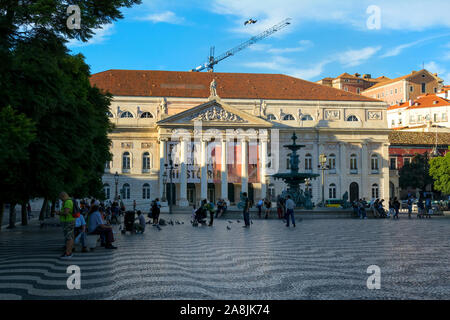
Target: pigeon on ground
(238,221)
(228,227)
(230,221)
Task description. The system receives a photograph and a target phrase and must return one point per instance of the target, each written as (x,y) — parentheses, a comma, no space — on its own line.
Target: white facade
(354,134)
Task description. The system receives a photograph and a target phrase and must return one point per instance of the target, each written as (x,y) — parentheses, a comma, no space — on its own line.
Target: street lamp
(170,167)
(116,181)
(164,177)
(323,166)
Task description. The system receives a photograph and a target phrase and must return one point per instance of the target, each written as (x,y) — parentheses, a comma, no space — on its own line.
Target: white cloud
(163,17)
(304,45)
(399,49)
(101,35)
(395,15)
(352,58)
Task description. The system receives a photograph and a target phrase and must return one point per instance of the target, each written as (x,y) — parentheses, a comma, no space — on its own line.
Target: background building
(245,120)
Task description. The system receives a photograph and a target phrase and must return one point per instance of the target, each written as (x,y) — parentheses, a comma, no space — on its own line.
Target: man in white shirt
(290,205)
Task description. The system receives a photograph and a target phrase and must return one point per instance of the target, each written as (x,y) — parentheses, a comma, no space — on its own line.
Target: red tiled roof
(229,85)
(399,137)
(425,101)
(383,83)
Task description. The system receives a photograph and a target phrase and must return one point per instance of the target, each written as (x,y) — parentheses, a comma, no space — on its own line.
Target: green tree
(416,173)
(17,132)
(440,171)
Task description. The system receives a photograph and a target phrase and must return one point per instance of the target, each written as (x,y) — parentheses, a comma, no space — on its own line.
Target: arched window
(146,115)
(288,117)
(109,114)
(126,114)
(332,163)
(146,191)
(288,161)
(352,118)
(126,161)
(307,117)
(271,191)
(269,160)
(308,162)
(270,116)
(146,164)
(332,191)
(375,192)
(353,163)
(374,163)
(126,191)
(107,190)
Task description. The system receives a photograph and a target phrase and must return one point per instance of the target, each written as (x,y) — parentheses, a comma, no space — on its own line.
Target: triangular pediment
(214,113)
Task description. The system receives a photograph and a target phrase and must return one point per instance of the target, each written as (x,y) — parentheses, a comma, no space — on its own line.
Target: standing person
(156,209)
(290,205)
(396,205)
(428,207)
(209,206)
(267,205)
(280,209)
(68,223)
(410,203)
(29,210)
(259,206)
(420,208)
(134,205)
(246,210)
(80,230)
(391,211)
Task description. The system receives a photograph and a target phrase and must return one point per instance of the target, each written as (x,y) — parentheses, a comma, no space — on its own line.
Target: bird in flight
(250,21)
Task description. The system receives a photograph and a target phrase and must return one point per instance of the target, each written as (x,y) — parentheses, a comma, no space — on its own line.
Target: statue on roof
(163,106)
(263,108)
(213,88)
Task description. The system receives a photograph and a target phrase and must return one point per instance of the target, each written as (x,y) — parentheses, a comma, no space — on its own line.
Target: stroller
(199,217)
(129,222)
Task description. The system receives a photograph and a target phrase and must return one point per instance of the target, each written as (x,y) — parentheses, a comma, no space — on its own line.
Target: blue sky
(326,37)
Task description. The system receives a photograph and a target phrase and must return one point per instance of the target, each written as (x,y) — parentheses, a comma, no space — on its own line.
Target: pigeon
(182,222)
(250,21)
(230,221)
(239,221)
(228,227)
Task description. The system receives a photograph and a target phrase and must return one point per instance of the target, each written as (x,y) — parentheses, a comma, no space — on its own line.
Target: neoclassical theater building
(212,135)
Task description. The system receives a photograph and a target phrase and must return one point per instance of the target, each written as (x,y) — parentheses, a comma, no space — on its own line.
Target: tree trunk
(12,216)
(52,210)
(2,209)
(43,210)
(24,214)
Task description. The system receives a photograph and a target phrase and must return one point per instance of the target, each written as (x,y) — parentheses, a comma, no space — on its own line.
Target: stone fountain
(294,178)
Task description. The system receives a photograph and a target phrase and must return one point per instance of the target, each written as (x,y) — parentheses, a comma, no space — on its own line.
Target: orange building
(352,83)
(405,88)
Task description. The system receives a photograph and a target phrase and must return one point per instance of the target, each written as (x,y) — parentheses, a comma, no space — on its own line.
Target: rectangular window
(435,117)
(406,161)
(411,88)
(444,117)
(395,91)
(393,163)
(424,88)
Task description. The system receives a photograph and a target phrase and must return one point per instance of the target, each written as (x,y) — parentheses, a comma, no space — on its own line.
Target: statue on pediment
(163,106)
(263,108)
(213,88)
(215,113)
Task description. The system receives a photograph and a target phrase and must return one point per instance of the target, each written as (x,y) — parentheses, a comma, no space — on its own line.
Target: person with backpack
(67,215)
(428,207)
(259,206)
(396,205)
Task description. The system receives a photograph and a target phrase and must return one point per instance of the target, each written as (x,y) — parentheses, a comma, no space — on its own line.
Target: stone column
(204,176)
(263,163)
(224,171)
(183,202)
(162,154)
(342,169)
(384,192)
(365,189)
(244,164)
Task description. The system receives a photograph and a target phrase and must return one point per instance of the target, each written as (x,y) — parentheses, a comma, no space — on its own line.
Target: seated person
(96,225)
(80,228)
(140,227)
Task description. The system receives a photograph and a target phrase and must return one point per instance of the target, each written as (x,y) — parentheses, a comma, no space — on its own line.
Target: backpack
(76,209)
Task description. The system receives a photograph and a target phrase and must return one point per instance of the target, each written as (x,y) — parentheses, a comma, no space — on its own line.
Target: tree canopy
(440,171)
(416,173)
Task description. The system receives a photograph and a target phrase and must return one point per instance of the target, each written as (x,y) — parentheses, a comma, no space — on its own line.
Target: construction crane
(209,65)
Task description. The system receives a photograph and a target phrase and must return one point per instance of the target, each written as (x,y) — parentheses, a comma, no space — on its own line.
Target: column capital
(163,139)
(185,138)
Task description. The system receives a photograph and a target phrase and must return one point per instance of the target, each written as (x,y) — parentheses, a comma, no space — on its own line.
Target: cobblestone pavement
(319,259)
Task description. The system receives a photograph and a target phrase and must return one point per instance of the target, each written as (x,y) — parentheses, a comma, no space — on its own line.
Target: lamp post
(164,199)
(323,166)
(170,167)
(116,181)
